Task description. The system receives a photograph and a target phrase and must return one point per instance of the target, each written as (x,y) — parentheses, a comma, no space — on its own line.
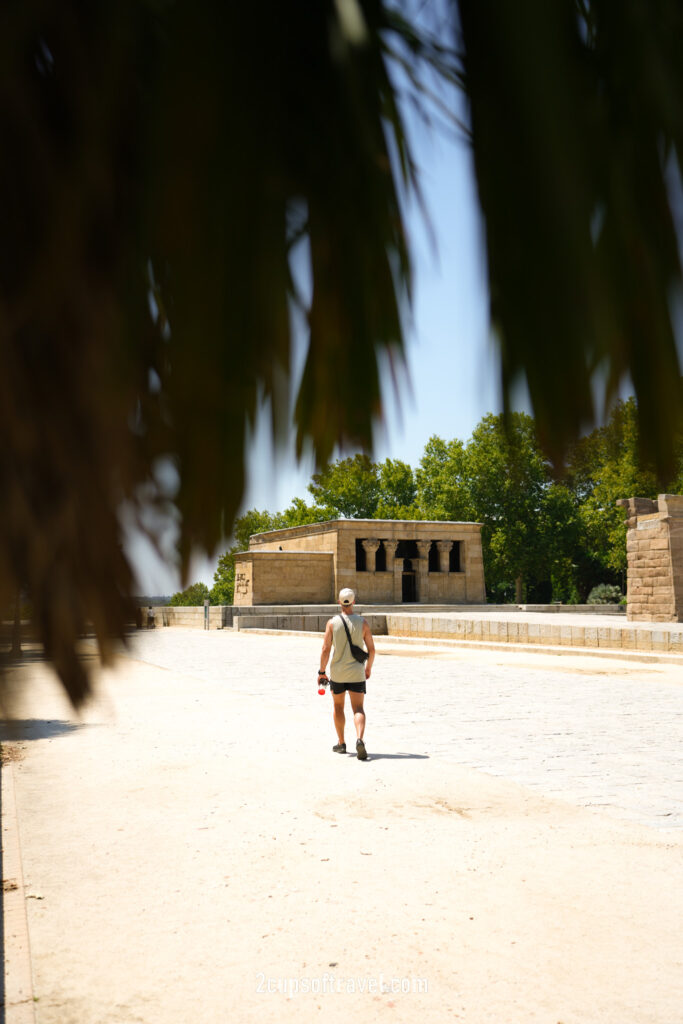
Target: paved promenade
(191,850)
(606,737)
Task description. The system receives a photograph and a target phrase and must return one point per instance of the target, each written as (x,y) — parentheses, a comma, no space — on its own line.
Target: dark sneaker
(339,748)
(361,752)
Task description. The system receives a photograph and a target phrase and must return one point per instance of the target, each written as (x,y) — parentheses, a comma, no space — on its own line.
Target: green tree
(195,594)
(443,490)
(561,538)
(397,490)
(252,522)
(349,487)
(301,514)
(223,590)
(508,479)
(358,488)
(603,467)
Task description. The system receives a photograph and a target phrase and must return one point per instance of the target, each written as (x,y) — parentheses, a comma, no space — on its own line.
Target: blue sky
(452,378)
(451,363)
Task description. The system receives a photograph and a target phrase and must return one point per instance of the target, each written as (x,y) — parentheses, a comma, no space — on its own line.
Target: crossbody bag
(359,654)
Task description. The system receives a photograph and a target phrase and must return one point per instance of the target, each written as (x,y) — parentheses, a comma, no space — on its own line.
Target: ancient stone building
(654,547)
(385,561)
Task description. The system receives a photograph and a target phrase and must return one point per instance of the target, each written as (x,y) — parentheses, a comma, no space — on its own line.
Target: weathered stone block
(591,636)
(643,640)
(578,636)
(637,506)
(670,504)
(660,640)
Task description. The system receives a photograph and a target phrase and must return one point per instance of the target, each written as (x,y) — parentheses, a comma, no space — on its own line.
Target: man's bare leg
(358,712)
(359,722)
(339,716)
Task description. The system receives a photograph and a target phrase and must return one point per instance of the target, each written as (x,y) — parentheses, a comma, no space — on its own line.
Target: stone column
(423,547)
(397,565)
(444,547)
(370,548)
(423,594)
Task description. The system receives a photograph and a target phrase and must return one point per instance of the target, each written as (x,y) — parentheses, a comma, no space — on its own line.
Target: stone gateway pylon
(654,550)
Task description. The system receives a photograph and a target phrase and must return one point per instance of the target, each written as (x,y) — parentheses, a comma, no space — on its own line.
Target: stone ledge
(385,643)
(666,637)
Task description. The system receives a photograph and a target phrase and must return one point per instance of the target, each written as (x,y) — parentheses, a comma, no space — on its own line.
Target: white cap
(346,596)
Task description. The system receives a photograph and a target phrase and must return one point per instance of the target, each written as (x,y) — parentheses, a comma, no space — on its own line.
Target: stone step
(385,644)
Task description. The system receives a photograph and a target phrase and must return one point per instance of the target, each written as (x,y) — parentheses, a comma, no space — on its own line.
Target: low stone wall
(574,609)
(304,623)
(314,617)
(220,616)
(499,631)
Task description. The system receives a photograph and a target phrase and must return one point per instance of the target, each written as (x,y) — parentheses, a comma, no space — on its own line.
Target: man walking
(345,672)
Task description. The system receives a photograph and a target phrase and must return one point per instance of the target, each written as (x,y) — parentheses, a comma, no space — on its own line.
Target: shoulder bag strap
(348,635)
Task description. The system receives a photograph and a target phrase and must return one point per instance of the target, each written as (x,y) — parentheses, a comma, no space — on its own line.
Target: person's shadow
(15,729)
(394,757)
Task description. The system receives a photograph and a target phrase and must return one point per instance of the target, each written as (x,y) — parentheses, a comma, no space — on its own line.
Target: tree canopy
(161,165)
(191,596)
(176,179)
(357,488)
(576,121)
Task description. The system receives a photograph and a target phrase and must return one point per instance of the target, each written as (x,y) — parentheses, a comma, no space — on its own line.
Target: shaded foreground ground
(511,852)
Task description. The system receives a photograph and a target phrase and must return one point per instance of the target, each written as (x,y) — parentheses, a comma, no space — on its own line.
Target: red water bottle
(323,683)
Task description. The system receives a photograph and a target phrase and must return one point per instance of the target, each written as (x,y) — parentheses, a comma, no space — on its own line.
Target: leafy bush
(605,593)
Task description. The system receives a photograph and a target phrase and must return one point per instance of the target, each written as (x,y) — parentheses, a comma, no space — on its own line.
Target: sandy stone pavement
(193,851)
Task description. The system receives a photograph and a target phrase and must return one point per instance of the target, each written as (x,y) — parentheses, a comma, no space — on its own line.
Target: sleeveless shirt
(344,668)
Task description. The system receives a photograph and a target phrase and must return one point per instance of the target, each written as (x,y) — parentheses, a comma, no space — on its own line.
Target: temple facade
(385,561)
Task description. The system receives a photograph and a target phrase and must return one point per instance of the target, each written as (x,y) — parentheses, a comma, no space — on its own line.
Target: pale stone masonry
(654,547)
(385,561)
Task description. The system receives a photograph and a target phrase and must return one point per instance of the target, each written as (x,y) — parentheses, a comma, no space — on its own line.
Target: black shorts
(351,687)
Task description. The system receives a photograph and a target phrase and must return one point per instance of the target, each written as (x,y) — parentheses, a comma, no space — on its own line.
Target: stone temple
(385,561)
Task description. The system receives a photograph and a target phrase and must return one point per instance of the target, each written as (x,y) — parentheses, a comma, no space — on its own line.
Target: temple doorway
(408,584)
